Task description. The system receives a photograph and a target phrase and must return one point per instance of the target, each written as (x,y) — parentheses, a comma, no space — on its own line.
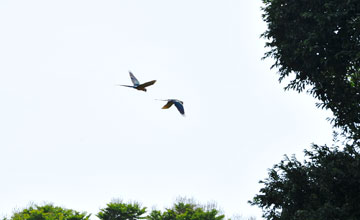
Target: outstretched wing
(133,79)
(180,107)
(168,105)
(146,84)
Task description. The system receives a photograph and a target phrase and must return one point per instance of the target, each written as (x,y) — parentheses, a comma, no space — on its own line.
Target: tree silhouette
(318,43)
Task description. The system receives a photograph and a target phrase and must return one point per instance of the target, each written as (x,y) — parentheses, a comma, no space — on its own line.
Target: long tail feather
(125,86)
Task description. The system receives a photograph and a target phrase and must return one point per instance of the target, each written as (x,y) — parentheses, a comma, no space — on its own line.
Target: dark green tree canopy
(187,210)
(318,42)
(325,186)
(119,210)
(183,209)
(48,212)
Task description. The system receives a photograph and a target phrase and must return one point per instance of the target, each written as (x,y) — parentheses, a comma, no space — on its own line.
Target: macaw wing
(146,84)
(167,105)
(133,79)
(180,107)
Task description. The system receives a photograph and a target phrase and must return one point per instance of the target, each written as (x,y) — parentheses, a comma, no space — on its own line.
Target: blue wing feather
(180,107)
(133,79)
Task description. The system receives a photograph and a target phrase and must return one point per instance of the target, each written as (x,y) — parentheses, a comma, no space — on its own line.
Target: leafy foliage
(183,209)
(318,42)
(118,210)
(48,212)
(325,186)
(187,210)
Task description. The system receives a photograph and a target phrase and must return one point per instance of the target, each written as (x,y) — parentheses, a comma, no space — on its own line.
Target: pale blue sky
(69,136)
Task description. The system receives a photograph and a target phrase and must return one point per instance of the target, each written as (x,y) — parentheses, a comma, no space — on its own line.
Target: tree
(119,210)
(48,212)
(325,186)
(318,42)
(185,209)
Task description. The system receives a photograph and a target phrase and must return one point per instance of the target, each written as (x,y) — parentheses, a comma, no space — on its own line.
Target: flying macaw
(178,104)
(137,84)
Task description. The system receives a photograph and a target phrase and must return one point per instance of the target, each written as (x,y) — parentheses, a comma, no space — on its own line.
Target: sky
(69,135)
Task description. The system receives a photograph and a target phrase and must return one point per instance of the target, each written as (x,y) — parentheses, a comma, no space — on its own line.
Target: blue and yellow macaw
(178,104)
(137,84)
